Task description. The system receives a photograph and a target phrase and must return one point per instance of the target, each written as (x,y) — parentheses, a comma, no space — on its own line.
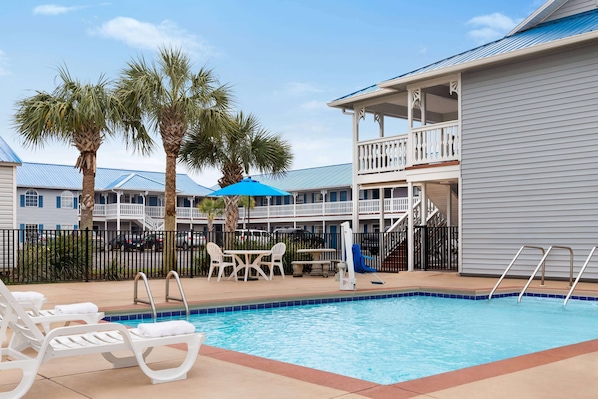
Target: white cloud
(53,9)
(3,64)
(491,27)
(296,88)
(145,35)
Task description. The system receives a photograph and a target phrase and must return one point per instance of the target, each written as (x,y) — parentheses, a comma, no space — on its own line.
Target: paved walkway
(568,372)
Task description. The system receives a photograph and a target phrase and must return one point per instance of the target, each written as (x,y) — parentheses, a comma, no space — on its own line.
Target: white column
(295,208)
(411,246)
(449,206)
(324,194)
(357,115)
(268,211)
(118,194)
(382,211)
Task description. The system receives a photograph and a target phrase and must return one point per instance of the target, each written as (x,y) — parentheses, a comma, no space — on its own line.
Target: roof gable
(576,27)
(7,155)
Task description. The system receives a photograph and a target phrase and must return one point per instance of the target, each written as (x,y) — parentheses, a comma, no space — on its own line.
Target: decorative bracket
(416,95)
(361,114)
(455,87)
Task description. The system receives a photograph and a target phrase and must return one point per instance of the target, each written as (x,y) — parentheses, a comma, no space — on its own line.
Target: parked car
(299,235)
(154,241)
(126,242)
(185,239)
(99,244)
(252,235)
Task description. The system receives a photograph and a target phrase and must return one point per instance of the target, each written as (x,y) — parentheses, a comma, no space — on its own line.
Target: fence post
(87,260)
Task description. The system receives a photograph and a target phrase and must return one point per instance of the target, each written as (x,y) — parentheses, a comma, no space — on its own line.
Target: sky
(284,59)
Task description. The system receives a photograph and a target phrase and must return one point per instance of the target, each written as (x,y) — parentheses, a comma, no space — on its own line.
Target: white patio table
(243,260)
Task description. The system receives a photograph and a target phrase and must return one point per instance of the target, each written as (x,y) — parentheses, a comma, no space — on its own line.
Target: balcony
(436,143)
(392,206)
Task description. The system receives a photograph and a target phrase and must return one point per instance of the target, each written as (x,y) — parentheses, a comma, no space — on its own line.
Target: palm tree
(235,149)
(211,208)
(172,98)
(81,115)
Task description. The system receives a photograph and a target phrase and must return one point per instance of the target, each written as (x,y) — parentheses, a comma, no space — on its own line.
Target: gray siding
(529,162)
(573,7)
(7,199)
(49,215)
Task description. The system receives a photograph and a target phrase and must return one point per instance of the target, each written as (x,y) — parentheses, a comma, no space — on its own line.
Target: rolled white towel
(166,328)
(73,308)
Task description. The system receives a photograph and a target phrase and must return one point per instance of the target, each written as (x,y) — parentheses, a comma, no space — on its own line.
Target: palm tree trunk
(88,191)
(170,214)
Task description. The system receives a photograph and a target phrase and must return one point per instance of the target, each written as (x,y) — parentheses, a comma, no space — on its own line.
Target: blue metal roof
(544,33)
(7,155)
(322,177)
(39,175)
(541,34)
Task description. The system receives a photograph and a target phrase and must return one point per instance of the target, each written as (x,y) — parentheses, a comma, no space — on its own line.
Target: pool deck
(566,372)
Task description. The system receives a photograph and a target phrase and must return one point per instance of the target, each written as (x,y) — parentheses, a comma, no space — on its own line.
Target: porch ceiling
(439,102)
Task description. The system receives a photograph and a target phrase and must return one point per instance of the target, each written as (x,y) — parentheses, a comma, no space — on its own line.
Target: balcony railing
(436,143)
(138,211)
(428,144)
(386,154)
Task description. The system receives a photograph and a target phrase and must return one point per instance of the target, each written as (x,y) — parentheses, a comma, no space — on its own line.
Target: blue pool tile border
(319,301)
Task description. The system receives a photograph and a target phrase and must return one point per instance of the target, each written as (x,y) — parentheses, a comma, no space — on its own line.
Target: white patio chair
(278,251)
(217,261)
(85,339)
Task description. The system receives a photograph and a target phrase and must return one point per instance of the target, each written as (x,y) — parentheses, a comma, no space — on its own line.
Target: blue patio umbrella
(251,188)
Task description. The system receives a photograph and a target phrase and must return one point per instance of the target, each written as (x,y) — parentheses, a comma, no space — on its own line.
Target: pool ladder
(542,265)
(150,300)
(583,269)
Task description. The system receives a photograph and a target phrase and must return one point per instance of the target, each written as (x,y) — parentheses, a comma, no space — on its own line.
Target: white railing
(386,154)
(436,143)
(155,213)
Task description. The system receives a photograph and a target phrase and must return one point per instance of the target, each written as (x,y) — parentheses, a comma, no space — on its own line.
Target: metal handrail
(149,293)
(174,274)
(511,265)
(544,269)
(583,269)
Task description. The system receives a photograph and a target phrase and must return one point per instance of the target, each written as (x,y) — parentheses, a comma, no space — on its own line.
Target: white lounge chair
(217,260)
(32,303)
(278,251)
(84,339)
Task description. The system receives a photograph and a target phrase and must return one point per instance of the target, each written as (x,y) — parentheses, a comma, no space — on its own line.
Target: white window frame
(31,198)
(67,200)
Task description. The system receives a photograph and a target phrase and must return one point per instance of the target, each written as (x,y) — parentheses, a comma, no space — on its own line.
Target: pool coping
(401,390)
(270,303)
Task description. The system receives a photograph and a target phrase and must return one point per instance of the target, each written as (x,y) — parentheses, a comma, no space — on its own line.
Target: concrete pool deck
(566,372)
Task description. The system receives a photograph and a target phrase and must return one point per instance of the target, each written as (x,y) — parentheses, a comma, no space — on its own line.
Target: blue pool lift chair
(360,266)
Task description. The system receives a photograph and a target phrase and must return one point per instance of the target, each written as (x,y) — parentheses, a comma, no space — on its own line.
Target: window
(67,200)
(67,227)
(31,198)
(31,232)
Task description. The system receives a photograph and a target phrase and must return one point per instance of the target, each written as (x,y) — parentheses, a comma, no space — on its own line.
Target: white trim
(538,16)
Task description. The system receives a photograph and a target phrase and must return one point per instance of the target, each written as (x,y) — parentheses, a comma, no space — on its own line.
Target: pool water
(399,339)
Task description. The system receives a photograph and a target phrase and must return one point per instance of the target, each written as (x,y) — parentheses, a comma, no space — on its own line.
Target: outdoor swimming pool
(399,339)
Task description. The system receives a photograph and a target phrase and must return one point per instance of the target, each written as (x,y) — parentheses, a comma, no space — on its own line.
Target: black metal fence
(436,248)
(31,256)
